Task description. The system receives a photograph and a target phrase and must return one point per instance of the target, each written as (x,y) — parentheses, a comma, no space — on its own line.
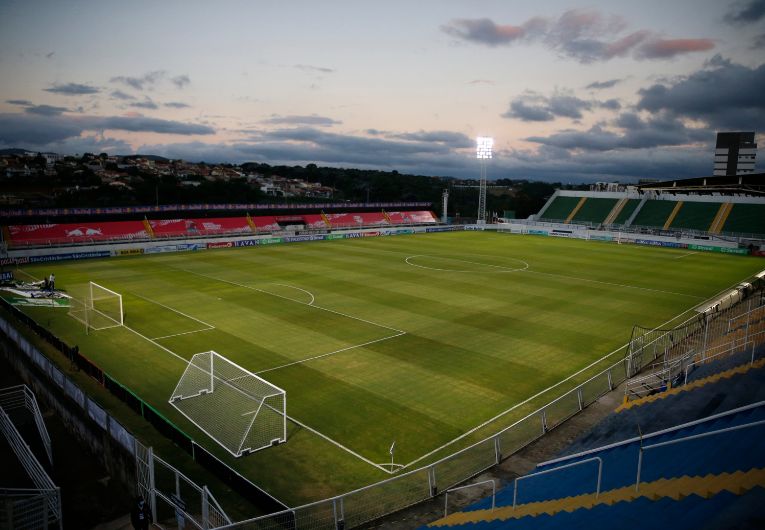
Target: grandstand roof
(751,183)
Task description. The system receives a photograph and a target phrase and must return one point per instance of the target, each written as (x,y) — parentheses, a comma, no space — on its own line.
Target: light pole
(484,146)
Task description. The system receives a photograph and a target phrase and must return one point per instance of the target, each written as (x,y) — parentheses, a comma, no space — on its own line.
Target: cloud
(119,94)
(147,103)
(455,140)
(20,102)
(45,110)
(582,34)
(181,81)
(139,83)
(759,42)
(600,85)
(177,105)
(666,48)
(636,133)
(313,119)
(40,128)
(483,31)
(723,94)
(742,13)
(481,82)
(72,89)
(536,107)
(49,55)
(314,69)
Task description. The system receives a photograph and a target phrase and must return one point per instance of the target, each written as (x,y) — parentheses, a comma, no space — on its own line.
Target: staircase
(251,223)
(672,215)
(326,219)
(387,217)
(148,228)
(576,209)
(722,215)
(617,209)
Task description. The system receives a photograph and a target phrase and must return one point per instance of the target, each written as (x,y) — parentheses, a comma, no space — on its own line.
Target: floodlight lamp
(484,145)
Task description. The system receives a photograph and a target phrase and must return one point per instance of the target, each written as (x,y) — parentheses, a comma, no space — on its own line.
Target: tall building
(735,153)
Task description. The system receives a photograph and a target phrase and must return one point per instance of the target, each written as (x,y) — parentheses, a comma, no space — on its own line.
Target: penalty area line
(330,353)
(207,328)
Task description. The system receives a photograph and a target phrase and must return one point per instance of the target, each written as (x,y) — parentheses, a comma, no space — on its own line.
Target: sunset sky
(571,92)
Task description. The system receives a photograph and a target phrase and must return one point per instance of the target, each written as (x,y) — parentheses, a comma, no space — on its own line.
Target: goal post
(242,412)
(97,307)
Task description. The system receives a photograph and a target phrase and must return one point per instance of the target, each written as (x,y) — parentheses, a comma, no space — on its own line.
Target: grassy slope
(476,342)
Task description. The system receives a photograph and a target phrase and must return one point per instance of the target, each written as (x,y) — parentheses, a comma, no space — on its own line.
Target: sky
(571,92)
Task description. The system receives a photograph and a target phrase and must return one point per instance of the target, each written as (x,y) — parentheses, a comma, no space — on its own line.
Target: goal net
(239,410)
(97,307)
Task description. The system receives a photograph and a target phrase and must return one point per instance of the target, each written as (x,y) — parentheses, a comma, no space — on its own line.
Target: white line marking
(613,284)
(290,299)
(309,293)
(208,328)
(686,254)
(506,269)
(330,353)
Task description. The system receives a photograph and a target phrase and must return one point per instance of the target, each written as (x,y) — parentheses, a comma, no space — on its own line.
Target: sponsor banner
(128,252)
(401,231)
(655,243)
(474,227)
(724,250)
(561,233)
(159,250)
(335,236)
(6,276)
(601,238)
(271,241)
(247,243)
(538,232)
(191,246)
(297,239)
(362,234)
(220,244)
(70,256)
(759,253)
(23,260)
(453,228)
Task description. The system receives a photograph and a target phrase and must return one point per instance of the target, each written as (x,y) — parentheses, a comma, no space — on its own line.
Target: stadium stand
(199,227)
(696,215)
(745,218)
(691,448)
(47,234)
(560,208)
(97,231)
(654,213)
(594,210)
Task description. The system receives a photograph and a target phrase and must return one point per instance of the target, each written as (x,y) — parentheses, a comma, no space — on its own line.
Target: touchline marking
(506,269)
(286,298)
(614,284)
(208,328)
(686,254)
(330,353)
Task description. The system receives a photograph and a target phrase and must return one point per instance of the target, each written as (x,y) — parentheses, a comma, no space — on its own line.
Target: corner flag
(391,447)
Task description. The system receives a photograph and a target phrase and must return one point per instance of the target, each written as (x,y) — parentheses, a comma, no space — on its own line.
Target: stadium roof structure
(750,184)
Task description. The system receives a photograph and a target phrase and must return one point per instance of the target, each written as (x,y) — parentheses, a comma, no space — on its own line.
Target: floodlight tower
(484,145)
(444,203)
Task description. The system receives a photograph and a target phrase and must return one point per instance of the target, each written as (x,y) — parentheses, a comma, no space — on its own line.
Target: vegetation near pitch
(416,339)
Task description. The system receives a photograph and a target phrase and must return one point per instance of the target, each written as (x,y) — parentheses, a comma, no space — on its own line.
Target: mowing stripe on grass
(207,328)
(611,283)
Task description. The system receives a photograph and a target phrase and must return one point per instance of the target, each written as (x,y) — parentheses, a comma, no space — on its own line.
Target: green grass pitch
(416,339)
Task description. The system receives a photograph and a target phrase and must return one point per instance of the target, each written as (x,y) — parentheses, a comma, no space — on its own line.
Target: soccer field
(414,339)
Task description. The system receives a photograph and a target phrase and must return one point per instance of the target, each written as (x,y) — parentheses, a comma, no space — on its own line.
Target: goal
(239,410)
(100,308)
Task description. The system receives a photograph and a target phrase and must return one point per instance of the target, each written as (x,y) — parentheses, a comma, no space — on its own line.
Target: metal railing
(20,396)
(555,469)
(493,483)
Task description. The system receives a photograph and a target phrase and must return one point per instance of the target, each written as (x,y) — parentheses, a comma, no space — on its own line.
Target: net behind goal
(236,408)
(97,308)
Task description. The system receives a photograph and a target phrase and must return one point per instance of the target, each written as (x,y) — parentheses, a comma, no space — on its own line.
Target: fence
(735,323)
